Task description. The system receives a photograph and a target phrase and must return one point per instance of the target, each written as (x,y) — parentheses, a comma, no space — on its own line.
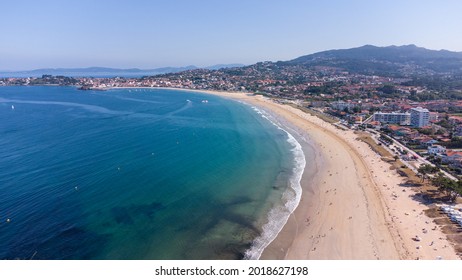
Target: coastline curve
(279,215)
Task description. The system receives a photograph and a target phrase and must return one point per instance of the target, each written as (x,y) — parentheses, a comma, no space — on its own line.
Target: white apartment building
(419,117)
(341,105)
(394,117)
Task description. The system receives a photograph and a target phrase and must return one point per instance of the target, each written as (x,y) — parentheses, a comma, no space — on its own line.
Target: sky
(159,33)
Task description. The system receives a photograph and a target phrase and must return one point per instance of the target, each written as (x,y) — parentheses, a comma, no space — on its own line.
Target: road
(418,160)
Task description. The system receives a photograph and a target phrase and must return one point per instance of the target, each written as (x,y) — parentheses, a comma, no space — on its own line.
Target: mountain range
(108,72)
(391,60)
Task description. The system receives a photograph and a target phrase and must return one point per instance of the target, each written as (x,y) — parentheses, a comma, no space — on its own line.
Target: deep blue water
(134,174)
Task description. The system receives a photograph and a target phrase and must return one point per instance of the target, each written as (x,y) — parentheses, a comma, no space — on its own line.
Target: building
(453,158)
(436,149)
(393,118)
(318,104)
(434,116)
(458,131)
(342,105)
(420,117)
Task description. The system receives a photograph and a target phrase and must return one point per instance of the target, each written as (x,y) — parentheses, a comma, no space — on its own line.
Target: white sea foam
(278,216)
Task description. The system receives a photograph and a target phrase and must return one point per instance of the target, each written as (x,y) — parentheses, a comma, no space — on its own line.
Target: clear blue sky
(157,33)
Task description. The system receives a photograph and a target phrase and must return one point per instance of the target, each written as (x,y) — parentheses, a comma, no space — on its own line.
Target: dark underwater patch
(128,215)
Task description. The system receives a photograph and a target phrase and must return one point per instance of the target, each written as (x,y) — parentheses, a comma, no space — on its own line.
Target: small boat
(205,101)
(12,107)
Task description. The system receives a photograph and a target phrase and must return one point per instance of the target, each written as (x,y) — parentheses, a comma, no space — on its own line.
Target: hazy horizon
(115,68)
(155,34)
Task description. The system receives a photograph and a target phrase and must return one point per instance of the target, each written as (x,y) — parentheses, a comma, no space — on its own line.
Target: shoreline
(279,215)
(348,209)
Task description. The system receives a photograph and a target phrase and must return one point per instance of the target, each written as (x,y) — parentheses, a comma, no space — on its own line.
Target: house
(374,124)
(399,130)
(430,142)
(422,140)
(452,157)
(318,104)
(357,119)
(458,131)
(445,140)
(455,120)
(436,149)
(433,117)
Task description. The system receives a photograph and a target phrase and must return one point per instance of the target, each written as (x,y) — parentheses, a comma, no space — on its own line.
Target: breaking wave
(279,215)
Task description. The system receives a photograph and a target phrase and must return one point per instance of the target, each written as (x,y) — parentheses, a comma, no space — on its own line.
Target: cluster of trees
(425,169)
(327,88)
(448,187)
(387,89)
(456,143)
(53,80)
(437,83)
(386,139)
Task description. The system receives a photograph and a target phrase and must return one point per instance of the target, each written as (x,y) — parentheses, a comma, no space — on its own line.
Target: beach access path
(354,206)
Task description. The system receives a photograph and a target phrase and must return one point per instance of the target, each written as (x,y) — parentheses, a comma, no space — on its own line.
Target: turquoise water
(135,174)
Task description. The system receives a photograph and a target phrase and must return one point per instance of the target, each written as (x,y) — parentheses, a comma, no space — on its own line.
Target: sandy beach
(352,206)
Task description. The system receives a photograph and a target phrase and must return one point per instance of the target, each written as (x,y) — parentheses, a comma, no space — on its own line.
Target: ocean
(141,174)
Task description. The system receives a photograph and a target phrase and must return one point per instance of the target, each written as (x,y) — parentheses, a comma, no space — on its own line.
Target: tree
(421,173)
(457,190)
(439,180)
(372,110)
(425,169)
